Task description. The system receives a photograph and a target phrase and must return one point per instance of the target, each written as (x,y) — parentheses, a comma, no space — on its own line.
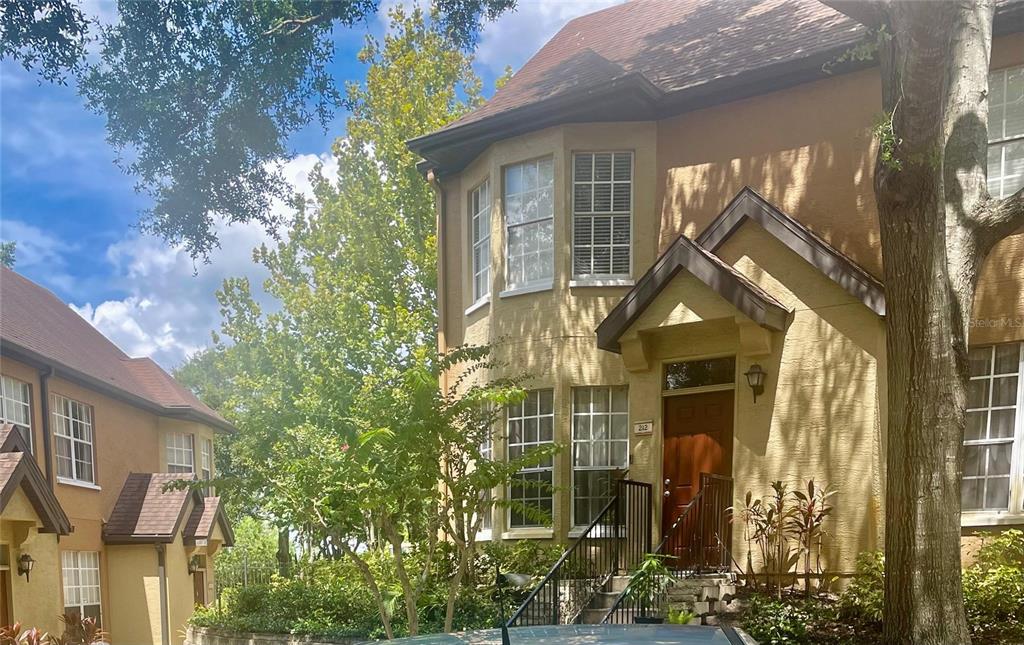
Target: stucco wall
(36,600)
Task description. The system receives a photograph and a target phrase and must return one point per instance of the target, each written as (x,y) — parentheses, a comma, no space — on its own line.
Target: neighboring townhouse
(89,440)
(667,219)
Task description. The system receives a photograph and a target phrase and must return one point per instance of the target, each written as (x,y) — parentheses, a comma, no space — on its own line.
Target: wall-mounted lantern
(25,564)
(755,379)
(193,565)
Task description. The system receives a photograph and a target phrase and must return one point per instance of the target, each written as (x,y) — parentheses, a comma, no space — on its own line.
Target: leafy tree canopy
(201,97)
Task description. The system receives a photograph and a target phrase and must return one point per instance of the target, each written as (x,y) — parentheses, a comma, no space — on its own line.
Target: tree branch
(870,13)
(999,218)
(292,26)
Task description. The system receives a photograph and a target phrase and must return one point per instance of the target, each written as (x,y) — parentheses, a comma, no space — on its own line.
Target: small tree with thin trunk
(938,224)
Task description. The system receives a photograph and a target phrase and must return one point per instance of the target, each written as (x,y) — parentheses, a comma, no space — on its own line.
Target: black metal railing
(615,542)
(696,542)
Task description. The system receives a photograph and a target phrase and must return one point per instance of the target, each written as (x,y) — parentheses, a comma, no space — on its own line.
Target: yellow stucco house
(88,440)
(667,219)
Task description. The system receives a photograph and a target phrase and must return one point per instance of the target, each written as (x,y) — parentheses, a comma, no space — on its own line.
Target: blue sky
(71,210)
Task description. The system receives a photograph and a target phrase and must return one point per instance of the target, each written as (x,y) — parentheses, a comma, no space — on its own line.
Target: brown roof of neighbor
(648,59)
(19,470)
(146,513)
(37,326)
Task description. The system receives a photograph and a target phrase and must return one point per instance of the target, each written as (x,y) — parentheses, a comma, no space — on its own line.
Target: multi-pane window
(73,439)
(480,232)
(206,459)
(992,438)
(531,424)
(487,453)
(600,446)
(81,573)
(700,373)
(1006,132)
(529,222)
(180,457)
(15,406)
(602,206)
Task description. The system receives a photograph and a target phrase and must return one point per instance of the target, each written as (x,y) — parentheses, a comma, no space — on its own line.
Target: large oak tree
(938,224)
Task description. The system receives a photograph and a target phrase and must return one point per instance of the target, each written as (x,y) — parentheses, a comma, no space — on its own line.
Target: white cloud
(517,35)
(170,307)
(38,249)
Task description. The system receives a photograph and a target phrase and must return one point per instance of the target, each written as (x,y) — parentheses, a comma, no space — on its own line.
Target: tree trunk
(454,587)
(284,553)
(408,591)
(371,582)
(938,224)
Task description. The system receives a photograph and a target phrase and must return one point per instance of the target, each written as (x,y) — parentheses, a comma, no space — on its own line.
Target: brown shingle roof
(675,44)
(144,512)
(201,521)
(35,322)
(19,470)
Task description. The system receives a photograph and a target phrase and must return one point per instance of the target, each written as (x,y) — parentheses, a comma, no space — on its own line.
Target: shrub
(777,622)
(863,599)
(994,589)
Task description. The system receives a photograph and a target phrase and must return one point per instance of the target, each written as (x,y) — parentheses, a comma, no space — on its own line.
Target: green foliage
(46,35)
(649,581)
(255,548)
(887,142)
(680,616)
(204,95)
(864,598)
(7,253)
(775,622)
(994,589)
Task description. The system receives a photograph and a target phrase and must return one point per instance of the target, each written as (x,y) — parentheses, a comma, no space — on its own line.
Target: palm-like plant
(807,523)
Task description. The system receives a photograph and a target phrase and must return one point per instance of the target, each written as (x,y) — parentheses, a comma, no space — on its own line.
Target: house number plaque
(643,427)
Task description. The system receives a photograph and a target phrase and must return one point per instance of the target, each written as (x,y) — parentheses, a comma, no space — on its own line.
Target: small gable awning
(19,470)
(148,512)
(685,254)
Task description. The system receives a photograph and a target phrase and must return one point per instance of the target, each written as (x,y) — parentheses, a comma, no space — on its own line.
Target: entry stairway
(590,581)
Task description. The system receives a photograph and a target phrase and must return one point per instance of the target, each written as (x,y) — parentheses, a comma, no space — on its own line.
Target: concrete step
(593,616)
(604,599)
(617,583)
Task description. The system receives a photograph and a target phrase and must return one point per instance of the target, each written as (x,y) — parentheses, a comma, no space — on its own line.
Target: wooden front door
(5,597)
(698,439)
(199,587)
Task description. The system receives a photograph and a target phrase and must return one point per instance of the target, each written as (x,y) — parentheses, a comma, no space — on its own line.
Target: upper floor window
(206,457)
(81,573)
(1006,132)
(73,440)
(180,457)
(529,222)
(994,436)
(16,407)
(602,207)
(480,239)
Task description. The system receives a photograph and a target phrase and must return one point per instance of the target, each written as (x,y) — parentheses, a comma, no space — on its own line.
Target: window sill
(478,305)
(484,536)
(79,484)
(519,291)
(601,532)
(993,518)
(529,533)
(601,282)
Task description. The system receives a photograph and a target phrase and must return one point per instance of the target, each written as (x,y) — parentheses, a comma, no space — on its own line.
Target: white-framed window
(180,453)
(531,424)
(994,435)
(1006,131)
(206,459)
(600,446)
(529,224)
(16,406)
(602,213)
(73,440)
(81,575)
(480,239)
(487,453)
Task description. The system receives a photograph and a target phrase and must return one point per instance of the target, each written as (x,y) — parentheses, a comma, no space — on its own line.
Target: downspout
(44,408)
(165,629)
(442,269)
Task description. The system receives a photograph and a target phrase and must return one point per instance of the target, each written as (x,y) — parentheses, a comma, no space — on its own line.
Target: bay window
(602,208)
(531,424)
(529,224)
(480,239)
(994,435)
(1006,132)
(73,440)
(180,453)
(600,446)
(16,407)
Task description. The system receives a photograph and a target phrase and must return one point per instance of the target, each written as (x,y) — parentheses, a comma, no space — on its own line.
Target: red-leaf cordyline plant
(808,523)
(77,631)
